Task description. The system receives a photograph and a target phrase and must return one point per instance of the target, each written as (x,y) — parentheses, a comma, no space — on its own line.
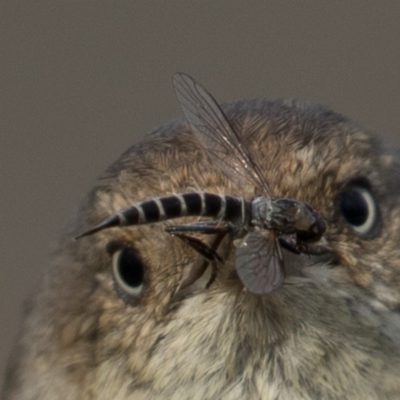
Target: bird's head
(114,318)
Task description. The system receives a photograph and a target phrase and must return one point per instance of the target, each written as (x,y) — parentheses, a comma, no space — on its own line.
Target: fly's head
(309,225)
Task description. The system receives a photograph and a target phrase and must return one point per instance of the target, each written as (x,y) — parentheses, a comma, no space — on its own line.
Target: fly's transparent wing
(211,126)
(259,262)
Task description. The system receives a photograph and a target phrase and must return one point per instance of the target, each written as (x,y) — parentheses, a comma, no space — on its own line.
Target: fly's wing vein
(216,134)
(259,262)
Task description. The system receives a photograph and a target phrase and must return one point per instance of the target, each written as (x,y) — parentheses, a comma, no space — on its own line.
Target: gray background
(82,80)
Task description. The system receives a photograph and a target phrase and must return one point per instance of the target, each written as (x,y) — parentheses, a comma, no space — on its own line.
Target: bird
(120,316)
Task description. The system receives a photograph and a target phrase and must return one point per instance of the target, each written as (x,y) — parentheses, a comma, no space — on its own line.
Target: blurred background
(80,81)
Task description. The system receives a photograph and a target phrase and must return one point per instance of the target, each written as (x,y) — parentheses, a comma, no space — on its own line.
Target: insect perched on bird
(259,260)
(113,319)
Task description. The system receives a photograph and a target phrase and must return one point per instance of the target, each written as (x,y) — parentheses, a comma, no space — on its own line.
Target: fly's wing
(259,262)
(212,128)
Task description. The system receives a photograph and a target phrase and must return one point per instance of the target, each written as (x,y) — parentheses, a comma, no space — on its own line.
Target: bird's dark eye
(128,270)
(359,209)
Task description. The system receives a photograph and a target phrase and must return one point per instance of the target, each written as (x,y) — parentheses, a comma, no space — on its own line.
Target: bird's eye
(359,209)
(128,270)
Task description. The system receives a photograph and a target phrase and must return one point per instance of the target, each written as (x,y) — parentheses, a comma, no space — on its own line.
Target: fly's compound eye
(359,209)
(129,272)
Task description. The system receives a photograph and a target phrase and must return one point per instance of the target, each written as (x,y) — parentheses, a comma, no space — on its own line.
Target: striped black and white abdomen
(201,204)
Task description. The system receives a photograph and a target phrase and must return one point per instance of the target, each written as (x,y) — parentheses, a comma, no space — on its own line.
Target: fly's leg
(205,228)
(214,246)
(316,249)
(210,256)
(209,252)
(205,250)
(290,245)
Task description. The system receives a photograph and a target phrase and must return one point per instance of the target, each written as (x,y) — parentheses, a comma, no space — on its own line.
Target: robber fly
(259,223)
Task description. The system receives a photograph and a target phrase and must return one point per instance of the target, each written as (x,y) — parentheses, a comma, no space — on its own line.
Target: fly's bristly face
(114,321)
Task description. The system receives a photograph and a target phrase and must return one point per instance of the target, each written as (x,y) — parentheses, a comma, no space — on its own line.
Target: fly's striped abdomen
(200,204)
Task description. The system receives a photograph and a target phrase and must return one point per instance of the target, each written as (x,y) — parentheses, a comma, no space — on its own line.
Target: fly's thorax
(261,213)
(285,216)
